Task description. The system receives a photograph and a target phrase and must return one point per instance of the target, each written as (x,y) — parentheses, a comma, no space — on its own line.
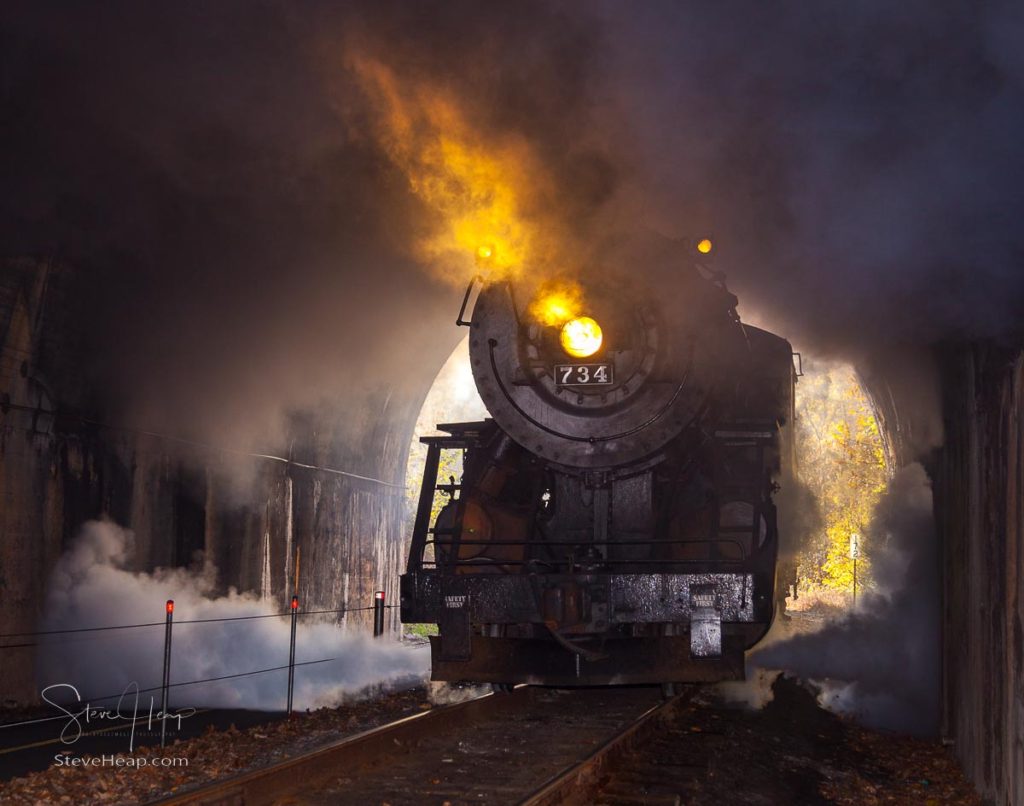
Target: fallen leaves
(213,755)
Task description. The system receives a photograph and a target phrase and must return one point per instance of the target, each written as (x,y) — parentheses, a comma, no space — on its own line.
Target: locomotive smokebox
(605,370)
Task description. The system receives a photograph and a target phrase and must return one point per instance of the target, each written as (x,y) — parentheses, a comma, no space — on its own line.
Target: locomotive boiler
(613,522)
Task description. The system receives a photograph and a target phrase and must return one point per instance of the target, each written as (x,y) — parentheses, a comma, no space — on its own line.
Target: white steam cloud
(90,587)
(880,663)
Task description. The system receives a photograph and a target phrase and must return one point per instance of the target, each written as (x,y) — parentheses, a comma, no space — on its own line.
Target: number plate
(583,374)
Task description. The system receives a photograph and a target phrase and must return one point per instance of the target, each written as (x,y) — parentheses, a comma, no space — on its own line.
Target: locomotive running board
(626,598)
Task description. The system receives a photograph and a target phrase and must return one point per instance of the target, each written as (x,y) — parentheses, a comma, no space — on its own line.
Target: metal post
(378,614)
(291,653)
(167,672)
(854,583)
(854,554)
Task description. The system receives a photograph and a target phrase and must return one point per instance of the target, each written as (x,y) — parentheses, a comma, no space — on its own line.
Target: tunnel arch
(453,398)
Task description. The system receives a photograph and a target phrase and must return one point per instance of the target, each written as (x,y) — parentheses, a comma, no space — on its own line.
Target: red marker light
(295,603)
(379,595)
(170,606)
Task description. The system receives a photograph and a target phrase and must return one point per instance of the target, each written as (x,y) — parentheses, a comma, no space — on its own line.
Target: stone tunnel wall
(346,534)
(57,471)
(980,512)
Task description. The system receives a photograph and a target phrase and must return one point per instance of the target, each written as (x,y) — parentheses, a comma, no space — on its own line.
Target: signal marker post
(854,554)
(291,653)
(167,672)
(378,614)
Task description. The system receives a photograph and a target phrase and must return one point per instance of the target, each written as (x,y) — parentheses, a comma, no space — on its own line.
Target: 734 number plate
(583,374)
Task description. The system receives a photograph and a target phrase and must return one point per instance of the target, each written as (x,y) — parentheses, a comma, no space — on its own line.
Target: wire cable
(176,623)
(88,700)
(205,445)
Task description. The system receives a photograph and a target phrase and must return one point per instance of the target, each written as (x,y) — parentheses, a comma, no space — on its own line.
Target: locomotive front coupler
(576,604)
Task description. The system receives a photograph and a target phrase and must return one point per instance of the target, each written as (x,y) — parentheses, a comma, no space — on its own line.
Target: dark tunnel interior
(234,241)
(183,499)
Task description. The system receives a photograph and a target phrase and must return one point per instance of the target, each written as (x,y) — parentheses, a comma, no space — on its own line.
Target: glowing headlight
(704,246)
(581,337)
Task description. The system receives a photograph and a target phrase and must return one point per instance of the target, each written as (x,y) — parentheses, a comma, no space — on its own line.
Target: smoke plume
(250,233)
(858,163)
(90,587)
(252,190)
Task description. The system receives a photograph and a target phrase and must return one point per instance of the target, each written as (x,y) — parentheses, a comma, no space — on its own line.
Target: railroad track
(534,746)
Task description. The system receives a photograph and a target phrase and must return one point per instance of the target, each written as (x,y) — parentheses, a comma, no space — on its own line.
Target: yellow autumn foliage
(842,461)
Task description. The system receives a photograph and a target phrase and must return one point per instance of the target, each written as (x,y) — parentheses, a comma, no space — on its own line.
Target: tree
(842,461)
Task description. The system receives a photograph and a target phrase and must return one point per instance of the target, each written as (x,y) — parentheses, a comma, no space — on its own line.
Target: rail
(578,783)
(412,750)
(268,784)
(720,551)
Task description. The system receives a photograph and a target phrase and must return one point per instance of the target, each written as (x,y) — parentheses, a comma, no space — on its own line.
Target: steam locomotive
(614,522)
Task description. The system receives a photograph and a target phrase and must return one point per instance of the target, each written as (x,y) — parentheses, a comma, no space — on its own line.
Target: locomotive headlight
(581,337)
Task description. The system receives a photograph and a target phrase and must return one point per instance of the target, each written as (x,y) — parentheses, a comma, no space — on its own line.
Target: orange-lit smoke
(557,301)
(480,188)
